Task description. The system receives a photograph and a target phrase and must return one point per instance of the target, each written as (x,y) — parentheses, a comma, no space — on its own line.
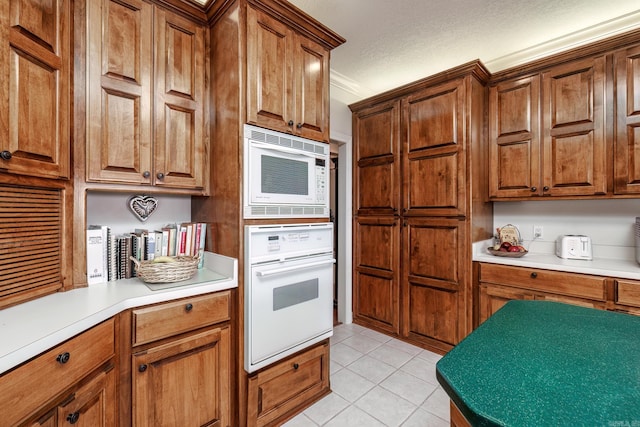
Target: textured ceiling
(390,43)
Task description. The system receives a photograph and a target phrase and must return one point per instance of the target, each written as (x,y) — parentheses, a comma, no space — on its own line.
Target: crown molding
(588,35)
(350,86)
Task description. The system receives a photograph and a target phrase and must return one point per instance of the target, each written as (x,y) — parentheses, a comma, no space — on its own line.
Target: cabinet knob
(5,155)
(299,125)
(534,189)
(63,357)
(142,368)
(296,366)
(534,275)
(290,122)
(73,418)
(545,188)
(188,307)
(160,175)
(146,174)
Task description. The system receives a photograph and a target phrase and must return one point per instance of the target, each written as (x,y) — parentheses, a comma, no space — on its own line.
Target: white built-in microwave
(284,176)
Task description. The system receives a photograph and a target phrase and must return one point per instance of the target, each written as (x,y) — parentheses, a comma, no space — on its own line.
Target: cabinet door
(119,90)
(627,144)
(574,147)
(179,142)
(434,281)
(492,298)
(92,405)
(183,382)
(270,62)
(35,61)
(376,154)
(376,286)
(514,142)
(311,74)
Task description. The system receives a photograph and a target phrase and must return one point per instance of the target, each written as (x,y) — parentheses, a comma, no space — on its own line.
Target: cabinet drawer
(26,388)
(288,385)
(168,319)
(572,284)
(628,292)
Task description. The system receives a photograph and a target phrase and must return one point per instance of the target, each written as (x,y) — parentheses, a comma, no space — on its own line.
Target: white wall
(609,223)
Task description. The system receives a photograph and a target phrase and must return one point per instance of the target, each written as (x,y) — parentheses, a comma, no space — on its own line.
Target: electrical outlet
(537,232)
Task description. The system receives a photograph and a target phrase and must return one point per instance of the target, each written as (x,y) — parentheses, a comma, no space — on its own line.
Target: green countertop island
(541,363)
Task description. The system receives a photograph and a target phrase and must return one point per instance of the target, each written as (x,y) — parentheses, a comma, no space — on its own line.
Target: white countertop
(28,329)
(623,267)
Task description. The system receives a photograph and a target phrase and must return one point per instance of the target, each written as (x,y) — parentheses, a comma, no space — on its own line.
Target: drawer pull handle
(534,275)
(142,368)
(188,307)
(296,366)
(63,358)
(73,418)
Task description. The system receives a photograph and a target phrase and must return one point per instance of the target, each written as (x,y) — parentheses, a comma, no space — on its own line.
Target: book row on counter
(109,255)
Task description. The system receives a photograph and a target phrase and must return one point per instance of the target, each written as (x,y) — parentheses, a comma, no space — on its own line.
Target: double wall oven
(288,290)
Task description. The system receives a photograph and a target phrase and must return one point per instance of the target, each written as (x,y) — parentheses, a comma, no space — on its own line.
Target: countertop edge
(40,339)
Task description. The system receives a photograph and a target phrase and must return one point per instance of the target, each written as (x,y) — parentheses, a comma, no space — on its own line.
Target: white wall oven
(284,176)
(288,290)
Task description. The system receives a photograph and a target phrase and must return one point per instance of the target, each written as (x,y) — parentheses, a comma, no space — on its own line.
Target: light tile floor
(378,381)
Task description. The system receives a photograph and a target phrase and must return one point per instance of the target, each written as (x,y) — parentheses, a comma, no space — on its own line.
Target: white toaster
(574,246)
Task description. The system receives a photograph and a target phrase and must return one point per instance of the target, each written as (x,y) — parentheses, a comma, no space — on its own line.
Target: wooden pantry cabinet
(146,96)
(424,147)
(179,363)
(73,383)
(547,132)
(288,88)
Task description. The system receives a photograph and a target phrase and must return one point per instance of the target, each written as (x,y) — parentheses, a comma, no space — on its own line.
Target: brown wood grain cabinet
(145,96)
(547,132)
(73,381)
(180,362)
(288,78)
(420,200)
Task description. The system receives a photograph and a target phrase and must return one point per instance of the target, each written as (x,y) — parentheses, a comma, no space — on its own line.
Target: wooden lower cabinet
(278,392)
(457,419)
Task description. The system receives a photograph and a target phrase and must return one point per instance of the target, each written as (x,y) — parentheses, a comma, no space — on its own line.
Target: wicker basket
(183,268)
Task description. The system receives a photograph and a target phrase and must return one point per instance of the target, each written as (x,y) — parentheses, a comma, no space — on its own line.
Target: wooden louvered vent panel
(30,243)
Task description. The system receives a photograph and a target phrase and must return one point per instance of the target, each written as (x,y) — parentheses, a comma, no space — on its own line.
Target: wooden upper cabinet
(142,130)
(514,151)
(376,133)
(434,159)
(287,79)
(627,144)
(35,58)
(562,151)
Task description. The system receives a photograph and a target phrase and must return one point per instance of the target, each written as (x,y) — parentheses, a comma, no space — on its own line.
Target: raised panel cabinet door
(35,83)
(184,382)
(119,91)
(311,75)
(179,142)
(492,298)
(574,147)
(92,405)
(434,281)
(514,138)
(627,143)
(376,286)
(270,62)
(435,178)
(376,156)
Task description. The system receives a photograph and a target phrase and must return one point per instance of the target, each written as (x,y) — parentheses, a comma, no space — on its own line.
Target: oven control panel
(264,243)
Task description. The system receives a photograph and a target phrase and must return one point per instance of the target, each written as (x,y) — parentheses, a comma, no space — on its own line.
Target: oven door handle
(296,268)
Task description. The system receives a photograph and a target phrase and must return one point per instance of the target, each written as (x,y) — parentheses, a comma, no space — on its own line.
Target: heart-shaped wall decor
(143,206)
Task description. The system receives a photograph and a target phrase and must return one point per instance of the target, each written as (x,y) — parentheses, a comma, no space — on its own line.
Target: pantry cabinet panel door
(575,155)
(435,173)
(36,89)
(627,144)
(376,153)
(180,146)
(119,91)
(514,142)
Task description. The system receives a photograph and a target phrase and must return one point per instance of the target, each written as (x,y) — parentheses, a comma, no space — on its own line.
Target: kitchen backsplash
(609,223)
(112,209)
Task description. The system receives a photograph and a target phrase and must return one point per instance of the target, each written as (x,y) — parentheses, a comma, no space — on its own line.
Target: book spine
(201,244)
(113,257)
(164,250)
(95,256)
(151,246)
